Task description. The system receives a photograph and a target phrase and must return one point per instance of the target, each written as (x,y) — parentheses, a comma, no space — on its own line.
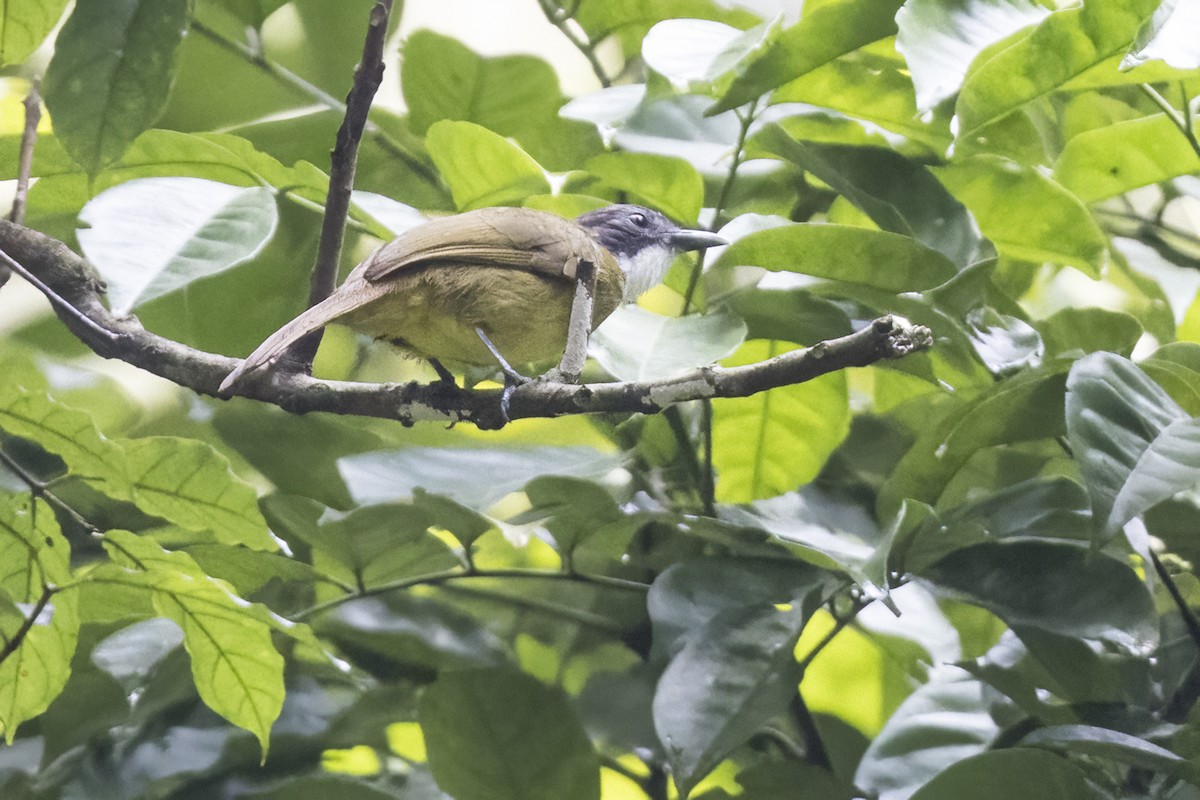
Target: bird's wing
(521,238)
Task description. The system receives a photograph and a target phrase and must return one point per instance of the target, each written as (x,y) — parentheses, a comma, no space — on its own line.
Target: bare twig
(1185,611)
(68,277)
(343,162)
(33,115)
(561,18)
(27,623)
(64,308)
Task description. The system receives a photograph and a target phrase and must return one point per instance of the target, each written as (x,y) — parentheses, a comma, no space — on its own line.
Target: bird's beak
(694,240)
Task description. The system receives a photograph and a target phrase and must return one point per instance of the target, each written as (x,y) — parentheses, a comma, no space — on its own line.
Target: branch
(71,279)
(27,623)
(343,162)
(33,114)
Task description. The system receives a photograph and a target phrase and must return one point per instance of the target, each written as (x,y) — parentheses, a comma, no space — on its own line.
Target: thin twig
(368,75)
(39,488)
(283,75)
(1183,124)
(27,623)
(577,615)
(1185,611)
(435,578)
(561,18)
(57,300)
(815,751)
(33,114)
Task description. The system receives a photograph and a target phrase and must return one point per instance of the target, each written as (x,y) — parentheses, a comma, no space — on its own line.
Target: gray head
(644,242)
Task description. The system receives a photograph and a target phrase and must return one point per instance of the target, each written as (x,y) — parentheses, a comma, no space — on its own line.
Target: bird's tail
(274,346)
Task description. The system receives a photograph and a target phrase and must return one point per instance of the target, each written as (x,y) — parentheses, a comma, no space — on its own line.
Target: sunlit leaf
(1165,36)
(1109,161)
(24,25)
(629,20)
(481,167)
(669,183)
(636,345)
(700,55)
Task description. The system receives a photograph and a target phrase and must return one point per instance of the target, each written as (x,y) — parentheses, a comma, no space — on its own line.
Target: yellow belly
(433,313)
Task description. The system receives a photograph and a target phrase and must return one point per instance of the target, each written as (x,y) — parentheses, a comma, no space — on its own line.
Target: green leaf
(1176,368)
(1066,44)
(823,34)
(691,593)
(475,477)
(843,253)
(465,524)
(500,735)
(872,86)
(481,167)
(998,415)
(35,555)
(940,39)
(1058,587)
(187,482)
(637,345)
(943,722)
(571,510)
(898,195)
(1028,216)
(724,685)
(779,439)
(630,20)
(235,666)
(793,316)
(376,544)
(699,56)
(153,236)
(820,527)
(1004,774)
(1171,464)
(253,12)
(1115,415)
(111,74)
(1165,36)
(669,183)
(1077,331)
(1112,160)
(24,25)
(1105,743)
(515,96)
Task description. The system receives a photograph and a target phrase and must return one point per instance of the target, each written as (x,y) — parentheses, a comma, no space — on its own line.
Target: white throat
(645,269)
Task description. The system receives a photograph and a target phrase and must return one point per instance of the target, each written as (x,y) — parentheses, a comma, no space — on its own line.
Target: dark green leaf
(1115,415)
(1077,331)
(898,195)
(501,735)
(111,74)
(724,685)
(1058,587)
(941,723)
(823,34)
(380,543)
(1004,774)
(1106,743)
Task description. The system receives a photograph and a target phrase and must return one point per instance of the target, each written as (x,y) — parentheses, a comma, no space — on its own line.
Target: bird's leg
(512,378)
(510,374)
(444,375)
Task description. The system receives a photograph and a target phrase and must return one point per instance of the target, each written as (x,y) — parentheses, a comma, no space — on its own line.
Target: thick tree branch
(71,279)
(343,163)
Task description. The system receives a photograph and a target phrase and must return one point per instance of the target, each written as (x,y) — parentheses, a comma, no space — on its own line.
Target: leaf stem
(27,623)
(561,18)
(1182,121)
(1185,611)
(435,578)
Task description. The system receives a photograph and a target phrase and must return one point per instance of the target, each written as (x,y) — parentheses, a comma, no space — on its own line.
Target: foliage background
(978,564)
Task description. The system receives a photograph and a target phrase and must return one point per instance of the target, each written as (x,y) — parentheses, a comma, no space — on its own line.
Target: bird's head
(644,242)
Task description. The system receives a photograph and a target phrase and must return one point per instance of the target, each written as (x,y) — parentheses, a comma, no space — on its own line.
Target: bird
(492,286)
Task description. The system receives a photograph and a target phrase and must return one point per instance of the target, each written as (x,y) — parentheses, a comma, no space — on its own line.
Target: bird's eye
(638,219)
